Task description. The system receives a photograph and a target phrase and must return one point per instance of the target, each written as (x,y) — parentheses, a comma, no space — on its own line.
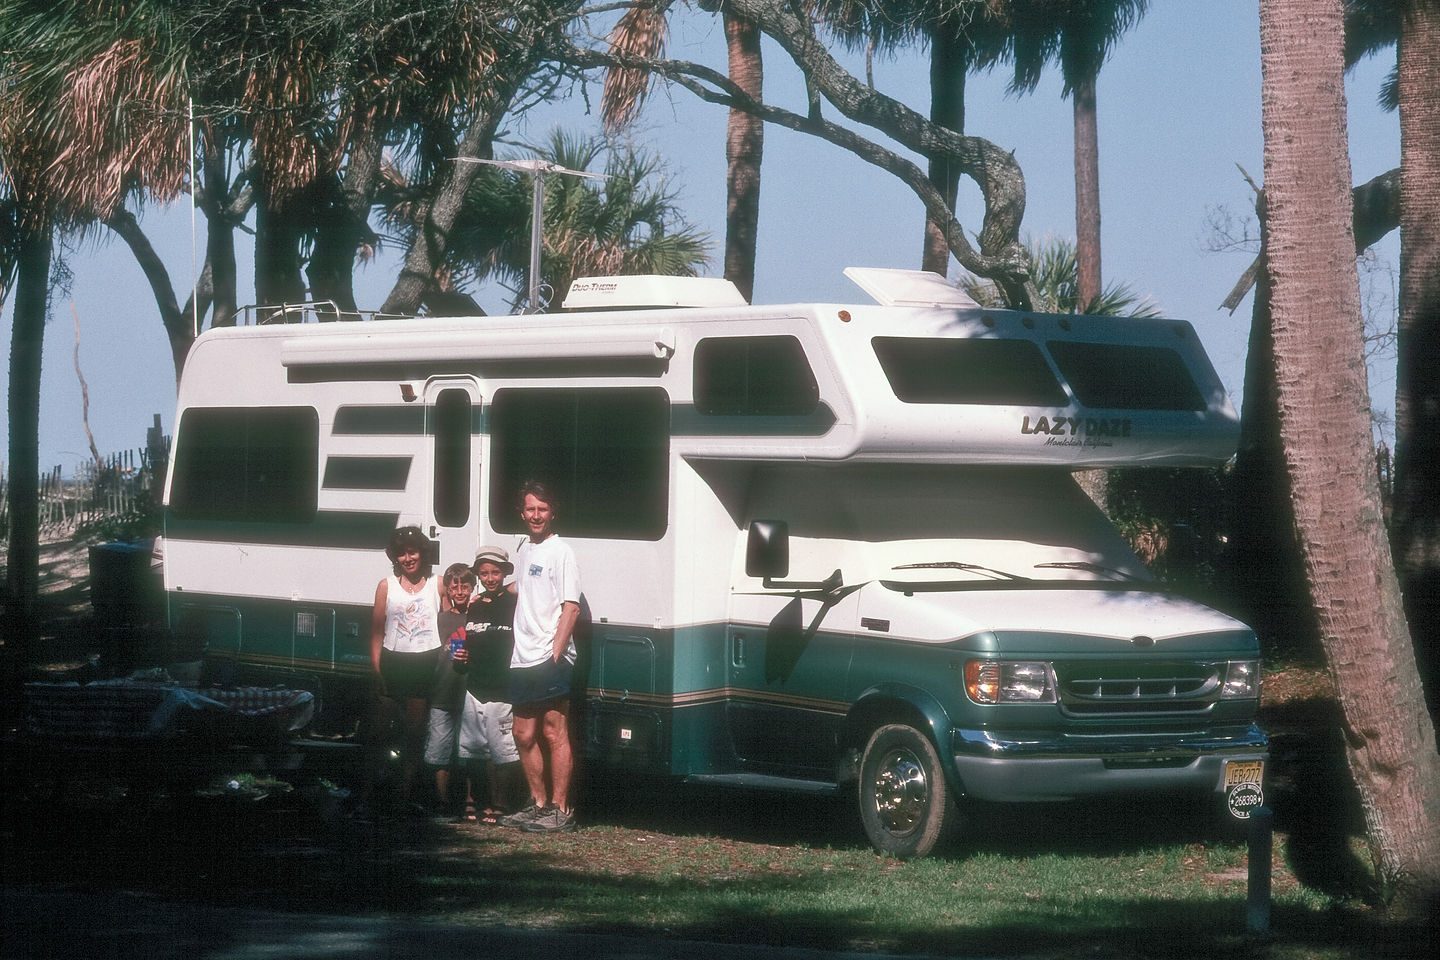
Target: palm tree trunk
(27,340)
(744,145)
(949,63)
(343,226)
(1416,522)
(1087,192)
(1267,570)
(1326,436)
(278,229)
(219,243)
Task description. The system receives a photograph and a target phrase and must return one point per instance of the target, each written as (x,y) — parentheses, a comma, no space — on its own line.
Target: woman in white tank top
(405,642)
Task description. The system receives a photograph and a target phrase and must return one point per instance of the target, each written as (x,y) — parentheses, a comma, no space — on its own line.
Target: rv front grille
(1130,688)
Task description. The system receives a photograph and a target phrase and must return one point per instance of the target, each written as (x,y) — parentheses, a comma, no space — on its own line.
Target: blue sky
(1179,114)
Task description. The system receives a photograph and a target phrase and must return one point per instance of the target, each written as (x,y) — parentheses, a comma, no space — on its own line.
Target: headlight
(1242,680)
(1009,681)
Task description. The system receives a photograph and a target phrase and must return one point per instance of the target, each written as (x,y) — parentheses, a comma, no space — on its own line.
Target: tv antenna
(539,169)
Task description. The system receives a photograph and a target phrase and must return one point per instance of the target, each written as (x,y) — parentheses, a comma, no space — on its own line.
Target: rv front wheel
(904,803)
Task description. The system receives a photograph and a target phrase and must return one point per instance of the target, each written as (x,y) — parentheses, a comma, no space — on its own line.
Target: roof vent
(908,288)
(630,293)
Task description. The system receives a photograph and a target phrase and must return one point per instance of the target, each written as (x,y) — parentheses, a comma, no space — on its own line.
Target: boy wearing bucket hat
(487,719)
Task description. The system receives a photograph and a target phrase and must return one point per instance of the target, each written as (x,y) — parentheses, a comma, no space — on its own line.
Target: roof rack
(313,311)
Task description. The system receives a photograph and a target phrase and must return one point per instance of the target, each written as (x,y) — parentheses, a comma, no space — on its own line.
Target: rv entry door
(452,411)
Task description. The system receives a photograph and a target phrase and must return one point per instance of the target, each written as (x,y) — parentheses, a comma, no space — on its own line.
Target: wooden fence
(123,484)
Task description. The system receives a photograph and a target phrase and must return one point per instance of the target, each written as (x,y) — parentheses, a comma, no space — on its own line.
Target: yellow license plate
(1243,771)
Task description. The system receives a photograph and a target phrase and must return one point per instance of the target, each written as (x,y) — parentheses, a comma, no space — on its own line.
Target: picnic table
(156,733)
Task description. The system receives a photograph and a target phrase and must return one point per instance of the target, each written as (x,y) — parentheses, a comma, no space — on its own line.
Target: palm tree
(83,124)
(1326,438)
(641,32)
(623,225)
(1413,27)
(1078,35)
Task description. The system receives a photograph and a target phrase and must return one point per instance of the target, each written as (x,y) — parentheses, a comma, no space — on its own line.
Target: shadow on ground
(289,852)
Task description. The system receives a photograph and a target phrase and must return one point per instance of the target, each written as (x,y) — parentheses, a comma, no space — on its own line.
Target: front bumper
(996,766)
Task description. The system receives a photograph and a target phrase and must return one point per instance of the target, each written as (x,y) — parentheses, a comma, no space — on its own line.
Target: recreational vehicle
(823,547)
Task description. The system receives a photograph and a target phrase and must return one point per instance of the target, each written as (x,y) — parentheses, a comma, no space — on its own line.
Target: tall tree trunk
(344,222)
(1416,520)
(1087,192)
(949,64)
(27,340)
(278,231)
(1095,483)
(1326,436)
(220,222)
(744,145)
(1267,571)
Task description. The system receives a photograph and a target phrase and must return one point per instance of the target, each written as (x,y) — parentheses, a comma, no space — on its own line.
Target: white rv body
(921,453)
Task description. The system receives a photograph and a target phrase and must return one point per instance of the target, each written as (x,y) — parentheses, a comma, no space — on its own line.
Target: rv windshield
(987,527)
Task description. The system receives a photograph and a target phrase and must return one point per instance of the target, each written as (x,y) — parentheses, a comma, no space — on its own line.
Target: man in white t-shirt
(547,606)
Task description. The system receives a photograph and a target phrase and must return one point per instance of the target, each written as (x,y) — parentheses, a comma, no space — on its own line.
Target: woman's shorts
(408,676)
(544,681)
(487,731)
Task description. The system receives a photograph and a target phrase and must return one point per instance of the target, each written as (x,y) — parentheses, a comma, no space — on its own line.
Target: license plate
(1243,771)
(1243,792)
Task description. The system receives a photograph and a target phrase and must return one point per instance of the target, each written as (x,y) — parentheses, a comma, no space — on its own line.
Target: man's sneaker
(519,818)
(552,820)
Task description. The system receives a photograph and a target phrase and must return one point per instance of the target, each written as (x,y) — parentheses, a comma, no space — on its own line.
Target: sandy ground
(68,630)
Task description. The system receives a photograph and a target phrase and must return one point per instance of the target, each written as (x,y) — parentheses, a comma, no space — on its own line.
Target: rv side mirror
(767,550)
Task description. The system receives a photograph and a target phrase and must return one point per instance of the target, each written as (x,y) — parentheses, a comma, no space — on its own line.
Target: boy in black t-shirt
(486,719)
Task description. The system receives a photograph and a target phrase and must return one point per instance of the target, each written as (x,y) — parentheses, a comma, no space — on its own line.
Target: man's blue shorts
(537,684)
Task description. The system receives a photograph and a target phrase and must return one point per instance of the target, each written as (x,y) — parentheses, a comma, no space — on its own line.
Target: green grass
(1113,880)
(1168,900)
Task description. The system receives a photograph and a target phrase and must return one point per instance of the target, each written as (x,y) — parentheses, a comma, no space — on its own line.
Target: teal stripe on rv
(345,529)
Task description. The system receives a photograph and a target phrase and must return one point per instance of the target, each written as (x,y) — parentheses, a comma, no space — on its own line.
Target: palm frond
(641,32)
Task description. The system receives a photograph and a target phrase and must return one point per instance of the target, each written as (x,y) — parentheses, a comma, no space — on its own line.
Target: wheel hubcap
(901,792)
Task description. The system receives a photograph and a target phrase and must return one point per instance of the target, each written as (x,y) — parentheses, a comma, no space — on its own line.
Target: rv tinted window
(1119,377)
(605,453)
(947,370)
(451,425)
(252,464)
(756,376)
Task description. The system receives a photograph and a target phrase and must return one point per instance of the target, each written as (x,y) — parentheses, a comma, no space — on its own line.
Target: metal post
(537,224)
(1257,892)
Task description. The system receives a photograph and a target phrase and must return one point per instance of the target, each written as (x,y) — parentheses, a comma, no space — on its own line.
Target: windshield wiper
(1091,567)
(957,565)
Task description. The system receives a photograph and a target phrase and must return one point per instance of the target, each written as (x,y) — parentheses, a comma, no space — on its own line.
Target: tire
(905,803)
